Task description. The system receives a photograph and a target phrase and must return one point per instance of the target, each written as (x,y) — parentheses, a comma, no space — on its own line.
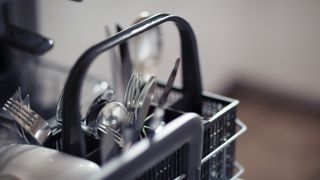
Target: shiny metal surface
(111,119)
(32,122)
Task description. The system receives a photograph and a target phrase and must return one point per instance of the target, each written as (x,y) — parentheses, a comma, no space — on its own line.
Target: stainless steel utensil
(117,70)
(143,104)
(136,103)
(111,119)
(106,147)
(89,123)
(32,122)
(157,119)
(126,62)
(132,94)
(146,48)
(26,102)
(124,122)
(169,84)
(100,91)
(133,91)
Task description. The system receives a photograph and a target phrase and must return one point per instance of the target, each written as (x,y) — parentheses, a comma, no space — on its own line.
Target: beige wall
(274,43)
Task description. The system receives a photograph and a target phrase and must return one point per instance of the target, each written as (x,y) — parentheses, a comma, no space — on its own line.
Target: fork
(32,122)
(115,134)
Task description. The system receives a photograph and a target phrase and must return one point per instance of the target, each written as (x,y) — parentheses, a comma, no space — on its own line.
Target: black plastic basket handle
(72,137)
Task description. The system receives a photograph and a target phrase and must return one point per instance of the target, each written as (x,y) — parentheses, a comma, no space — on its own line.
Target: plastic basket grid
(220,166)
(170,168)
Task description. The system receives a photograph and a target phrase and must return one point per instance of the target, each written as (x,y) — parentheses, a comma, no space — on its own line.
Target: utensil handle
(73,138)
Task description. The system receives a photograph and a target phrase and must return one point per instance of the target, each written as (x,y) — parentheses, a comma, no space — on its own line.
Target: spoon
(89,124)
(102,90)
(111,119)
(146,48)
(110,122)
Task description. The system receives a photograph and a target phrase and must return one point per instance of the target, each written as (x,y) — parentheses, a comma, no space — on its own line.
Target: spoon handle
(125,59)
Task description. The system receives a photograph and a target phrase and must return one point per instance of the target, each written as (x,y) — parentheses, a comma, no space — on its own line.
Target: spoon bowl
(112,118)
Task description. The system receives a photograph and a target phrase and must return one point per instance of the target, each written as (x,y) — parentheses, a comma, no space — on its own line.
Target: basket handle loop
(72,136)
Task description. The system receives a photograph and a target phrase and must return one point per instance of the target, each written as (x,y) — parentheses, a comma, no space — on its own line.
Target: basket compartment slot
(219,132)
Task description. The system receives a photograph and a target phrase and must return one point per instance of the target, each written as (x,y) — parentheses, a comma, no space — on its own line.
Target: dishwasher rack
(215,146)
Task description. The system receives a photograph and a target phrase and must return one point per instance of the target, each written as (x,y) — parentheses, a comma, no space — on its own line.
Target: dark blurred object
(3,1)
(8,77)
(19,33)
(22,39)
(18,36)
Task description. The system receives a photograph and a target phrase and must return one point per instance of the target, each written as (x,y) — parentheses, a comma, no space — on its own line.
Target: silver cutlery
(146,48)
(125,122)
(92,107)
(132,93)
(117,70)
(137,84)
(134,100)
(125,58)
(157,118)
(143,104)
(111,119)
(32,122)
(26,102)
(169,84)
(89,123)
(133,90)
(107,146)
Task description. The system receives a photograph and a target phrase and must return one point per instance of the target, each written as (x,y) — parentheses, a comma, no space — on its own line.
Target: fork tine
(19,104)
(107,129)
(33,116)
(21,110)
(16,115)
(119,142)
(114,132)
(32,122)
(117,137)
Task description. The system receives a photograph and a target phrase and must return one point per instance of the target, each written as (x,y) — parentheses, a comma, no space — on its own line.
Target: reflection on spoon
(111,119)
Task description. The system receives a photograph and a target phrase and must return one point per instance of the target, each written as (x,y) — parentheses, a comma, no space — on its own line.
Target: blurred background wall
(274,44)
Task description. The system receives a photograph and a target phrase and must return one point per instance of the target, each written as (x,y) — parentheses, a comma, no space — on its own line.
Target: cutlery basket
(218,145)
(218,114)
